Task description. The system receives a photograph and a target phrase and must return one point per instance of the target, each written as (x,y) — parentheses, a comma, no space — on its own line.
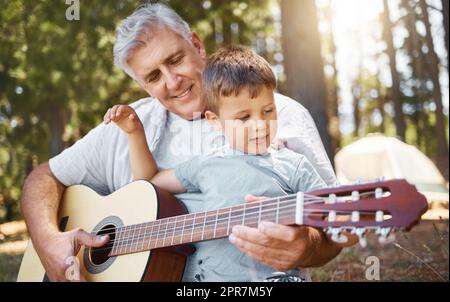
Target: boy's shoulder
(285,154)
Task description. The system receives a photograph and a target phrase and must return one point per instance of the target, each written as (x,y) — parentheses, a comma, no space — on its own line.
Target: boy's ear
(213,120)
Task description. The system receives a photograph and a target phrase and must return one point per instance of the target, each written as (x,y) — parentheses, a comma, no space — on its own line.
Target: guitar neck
(385,206)
(202,226)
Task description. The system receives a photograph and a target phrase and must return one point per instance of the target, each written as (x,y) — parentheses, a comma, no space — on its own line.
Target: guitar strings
(109,246)
(162,222)
(267,202)
(134,240)
(249,206)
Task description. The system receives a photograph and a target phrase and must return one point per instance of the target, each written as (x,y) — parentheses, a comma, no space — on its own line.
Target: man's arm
(41,195)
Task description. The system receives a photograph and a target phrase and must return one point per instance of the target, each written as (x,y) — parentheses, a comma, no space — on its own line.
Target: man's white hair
(145,17)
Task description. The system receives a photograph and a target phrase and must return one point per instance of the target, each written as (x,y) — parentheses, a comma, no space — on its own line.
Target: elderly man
(158,50)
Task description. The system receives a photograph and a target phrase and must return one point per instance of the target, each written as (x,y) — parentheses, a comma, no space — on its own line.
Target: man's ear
(213,120)
(198,44)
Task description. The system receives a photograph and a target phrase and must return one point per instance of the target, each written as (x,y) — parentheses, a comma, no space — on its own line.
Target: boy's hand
(125,117)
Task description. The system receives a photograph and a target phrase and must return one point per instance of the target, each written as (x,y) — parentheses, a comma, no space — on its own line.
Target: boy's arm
(167,180)
(143,166)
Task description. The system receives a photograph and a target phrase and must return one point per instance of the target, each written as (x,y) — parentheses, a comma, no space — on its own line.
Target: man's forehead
(156,46)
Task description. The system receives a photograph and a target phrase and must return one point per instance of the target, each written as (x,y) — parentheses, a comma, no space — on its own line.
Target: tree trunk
(399,119)
(442,146)
(303,62)
(356,92)
(416,55)
(333,99)
(381,101)
(445,9)
(57,125)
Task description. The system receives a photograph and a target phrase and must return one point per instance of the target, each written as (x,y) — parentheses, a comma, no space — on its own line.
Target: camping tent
(377,156)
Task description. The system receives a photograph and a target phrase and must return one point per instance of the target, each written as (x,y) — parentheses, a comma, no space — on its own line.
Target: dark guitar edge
(167,264)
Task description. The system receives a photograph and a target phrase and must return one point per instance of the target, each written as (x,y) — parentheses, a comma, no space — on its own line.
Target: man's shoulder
(285,103)
(146,105)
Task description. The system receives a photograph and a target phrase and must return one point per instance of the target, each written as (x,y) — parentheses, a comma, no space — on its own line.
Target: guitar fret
(133,238)
(151,234)
(259,215)
(182,229)
(203,229)
(193,224)
(144,236)
(174,228)
(228,226)
(278,209)
(125,240)
(243,215)
(157,234)
(165,231)
(215,224)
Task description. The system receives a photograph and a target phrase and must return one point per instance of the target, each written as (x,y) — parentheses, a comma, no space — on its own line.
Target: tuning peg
(332,198)
(360,232)
(378,193)
(355,195)
(337,236)
(381,179)
(384,235)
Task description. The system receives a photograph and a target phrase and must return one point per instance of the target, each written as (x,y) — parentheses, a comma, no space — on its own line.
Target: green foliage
(57,76)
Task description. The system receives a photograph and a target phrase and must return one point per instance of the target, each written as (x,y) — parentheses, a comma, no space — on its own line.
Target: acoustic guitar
(151,233)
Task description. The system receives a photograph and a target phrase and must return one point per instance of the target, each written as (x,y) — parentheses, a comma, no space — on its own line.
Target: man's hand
(125,117)
(283,247)
(57,249)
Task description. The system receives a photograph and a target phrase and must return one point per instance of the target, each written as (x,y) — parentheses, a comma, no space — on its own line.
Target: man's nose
(172,80)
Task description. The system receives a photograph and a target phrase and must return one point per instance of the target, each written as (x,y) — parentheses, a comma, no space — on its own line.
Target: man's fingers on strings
(242,233)
(266,255)
(282,232)
(252,198)
(83,237)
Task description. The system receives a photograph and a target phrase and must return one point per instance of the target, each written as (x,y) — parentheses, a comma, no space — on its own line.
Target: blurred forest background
(359,66)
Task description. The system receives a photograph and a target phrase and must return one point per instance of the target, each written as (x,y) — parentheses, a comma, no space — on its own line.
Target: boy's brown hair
(232,69)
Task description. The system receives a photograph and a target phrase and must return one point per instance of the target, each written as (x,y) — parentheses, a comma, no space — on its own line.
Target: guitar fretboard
(202,226)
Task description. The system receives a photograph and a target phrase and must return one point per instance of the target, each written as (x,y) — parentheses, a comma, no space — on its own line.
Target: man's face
(249,125)
(170,69)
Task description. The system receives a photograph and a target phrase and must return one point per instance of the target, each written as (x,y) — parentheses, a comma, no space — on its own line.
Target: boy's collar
(226,150)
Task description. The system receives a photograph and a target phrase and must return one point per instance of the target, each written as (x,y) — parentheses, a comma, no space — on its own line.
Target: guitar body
(136,203)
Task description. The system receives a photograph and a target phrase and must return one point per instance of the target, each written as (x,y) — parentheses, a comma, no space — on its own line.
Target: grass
(420,255)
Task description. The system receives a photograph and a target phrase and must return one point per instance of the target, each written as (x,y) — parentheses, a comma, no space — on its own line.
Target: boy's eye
(267,111)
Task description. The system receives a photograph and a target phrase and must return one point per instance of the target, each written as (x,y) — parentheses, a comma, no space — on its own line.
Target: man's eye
(244,118)
(176,60)
(153,78)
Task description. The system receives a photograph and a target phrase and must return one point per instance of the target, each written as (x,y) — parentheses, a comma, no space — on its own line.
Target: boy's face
(248,124)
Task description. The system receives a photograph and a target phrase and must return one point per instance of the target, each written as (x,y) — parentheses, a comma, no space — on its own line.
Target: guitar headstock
(383,207)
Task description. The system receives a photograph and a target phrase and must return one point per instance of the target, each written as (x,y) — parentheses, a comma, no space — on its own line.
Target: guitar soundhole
(99,255)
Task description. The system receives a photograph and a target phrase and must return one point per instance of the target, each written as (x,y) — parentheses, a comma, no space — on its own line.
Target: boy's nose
(260,125)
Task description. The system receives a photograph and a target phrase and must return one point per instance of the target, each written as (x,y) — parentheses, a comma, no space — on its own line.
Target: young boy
(239,88)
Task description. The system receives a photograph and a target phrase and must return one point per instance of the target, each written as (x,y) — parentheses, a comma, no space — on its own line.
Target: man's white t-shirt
(101,161)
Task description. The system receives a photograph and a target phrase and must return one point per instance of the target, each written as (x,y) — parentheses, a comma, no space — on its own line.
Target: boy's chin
(257,150)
